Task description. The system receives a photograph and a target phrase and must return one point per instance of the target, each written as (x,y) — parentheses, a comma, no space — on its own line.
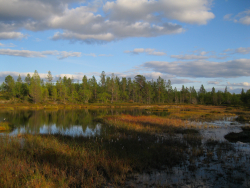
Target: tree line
(112,89)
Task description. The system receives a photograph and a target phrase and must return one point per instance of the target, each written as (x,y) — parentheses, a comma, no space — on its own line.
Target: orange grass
(199,112)
(149,124)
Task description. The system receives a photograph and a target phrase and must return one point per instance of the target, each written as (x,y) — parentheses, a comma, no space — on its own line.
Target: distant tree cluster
(112,89)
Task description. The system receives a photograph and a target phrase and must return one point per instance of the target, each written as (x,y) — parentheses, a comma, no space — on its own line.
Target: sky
(190,42)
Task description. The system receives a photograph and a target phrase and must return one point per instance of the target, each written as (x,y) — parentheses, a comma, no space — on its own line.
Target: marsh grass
(129,144)
(64,161)
(5,126)
(61,161)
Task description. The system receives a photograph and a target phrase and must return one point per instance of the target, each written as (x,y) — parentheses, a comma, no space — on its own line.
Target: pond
(219,164)
(65,122)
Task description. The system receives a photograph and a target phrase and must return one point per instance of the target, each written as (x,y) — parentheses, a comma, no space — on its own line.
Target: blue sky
(190,42)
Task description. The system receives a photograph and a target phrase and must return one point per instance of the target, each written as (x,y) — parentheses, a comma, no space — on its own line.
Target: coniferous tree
(35,89)
(124,95)
(160,89)
(54,93)
(220,97)
(61,90)
(18,87)
(111,86)
(9,86)
(214,96)
(114,89)
(49,79)
(140,85)
(176,99)
(94,87)
(226,96)
(201,94)
(169,92)
(243,96)
(45,93)
(130,87)
(103,80)
(28,79)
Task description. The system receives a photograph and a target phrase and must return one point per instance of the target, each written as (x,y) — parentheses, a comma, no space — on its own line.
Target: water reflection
(66,122)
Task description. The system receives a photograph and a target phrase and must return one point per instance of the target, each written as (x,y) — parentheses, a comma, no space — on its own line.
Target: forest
(112,89)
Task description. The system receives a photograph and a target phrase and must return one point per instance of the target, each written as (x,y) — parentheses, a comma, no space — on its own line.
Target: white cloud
(203,53)
(28,53)
(243,84)
(87,38)
(242,17)
(189,57)
(199,55)
(148,51)
(242,50)
(113,30)
(22,53)
(65,54)
(228,50)
(121,18)
(227,17)
(11,35)
(213,82)
(193,11)
(202,68)
(10,45)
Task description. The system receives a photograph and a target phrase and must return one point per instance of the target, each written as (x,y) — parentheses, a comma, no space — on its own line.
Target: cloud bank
(28,53)
(201,68)
(120,18)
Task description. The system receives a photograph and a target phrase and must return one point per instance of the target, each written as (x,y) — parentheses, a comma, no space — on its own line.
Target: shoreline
(22,106)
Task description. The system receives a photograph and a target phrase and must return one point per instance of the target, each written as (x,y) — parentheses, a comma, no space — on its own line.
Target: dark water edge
(221,164)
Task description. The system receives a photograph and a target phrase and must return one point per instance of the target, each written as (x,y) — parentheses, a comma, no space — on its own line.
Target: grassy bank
(174,111)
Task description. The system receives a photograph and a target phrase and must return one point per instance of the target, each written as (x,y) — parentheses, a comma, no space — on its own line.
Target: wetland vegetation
(157,146)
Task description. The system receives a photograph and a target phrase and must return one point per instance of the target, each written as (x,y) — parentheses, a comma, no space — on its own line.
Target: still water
(66,122)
